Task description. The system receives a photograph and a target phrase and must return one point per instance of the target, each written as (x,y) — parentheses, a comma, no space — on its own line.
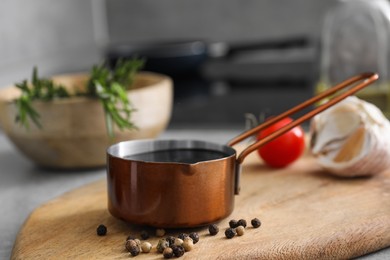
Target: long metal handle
(368,78)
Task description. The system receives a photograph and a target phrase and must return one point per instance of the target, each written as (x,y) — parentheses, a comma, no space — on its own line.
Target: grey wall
(57,36)
(66,36)
(215,20)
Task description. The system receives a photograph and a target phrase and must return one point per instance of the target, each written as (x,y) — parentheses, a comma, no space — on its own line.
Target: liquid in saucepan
(178,156)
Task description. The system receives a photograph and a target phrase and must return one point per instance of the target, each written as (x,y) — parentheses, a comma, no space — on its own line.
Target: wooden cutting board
(305,214)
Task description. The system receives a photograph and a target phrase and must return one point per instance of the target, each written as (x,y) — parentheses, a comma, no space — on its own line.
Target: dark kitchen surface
(217,84)
(222,105)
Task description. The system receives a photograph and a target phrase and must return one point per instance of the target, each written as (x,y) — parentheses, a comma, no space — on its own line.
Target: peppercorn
(240,230)
(178,251)
(188,244)
(134,250)
(241,222)
(162,244)
(195,237)
(213,229)
(182,236)
(144,234)
(230,233)
(233,223)
(130,237)
(168,252)
(256,222)
(178,242)
(146,247)
(171,240)
(101,230)
(130,243)
(160,232)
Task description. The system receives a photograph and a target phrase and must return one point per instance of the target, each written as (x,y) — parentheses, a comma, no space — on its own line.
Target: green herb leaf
(40,89)
(110,87)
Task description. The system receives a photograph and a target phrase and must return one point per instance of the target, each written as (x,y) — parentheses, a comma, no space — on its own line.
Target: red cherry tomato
(286,148)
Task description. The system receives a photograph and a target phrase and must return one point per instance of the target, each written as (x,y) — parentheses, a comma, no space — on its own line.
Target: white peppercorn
(168,252)
(240,230)
(146,247)
(160,232)
(188,244)
(178,242)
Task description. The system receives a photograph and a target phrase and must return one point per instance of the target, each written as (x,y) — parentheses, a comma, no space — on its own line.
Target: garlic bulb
(352,138)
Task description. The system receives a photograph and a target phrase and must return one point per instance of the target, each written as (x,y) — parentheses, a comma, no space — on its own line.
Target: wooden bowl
(74,133)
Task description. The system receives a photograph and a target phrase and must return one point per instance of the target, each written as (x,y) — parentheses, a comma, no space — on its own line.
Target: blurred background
(227,57)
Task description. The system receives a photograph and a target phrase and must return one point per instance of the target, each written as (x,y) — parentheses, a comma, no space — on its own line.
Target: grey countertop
(23,186)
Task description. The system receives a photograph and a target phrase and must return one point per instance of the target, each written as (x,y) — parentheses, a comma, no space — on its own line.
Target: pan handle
(366,78)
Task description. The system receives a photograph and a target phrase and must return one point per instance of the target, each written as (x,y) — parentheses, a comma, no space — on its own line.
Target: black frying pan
(177,58)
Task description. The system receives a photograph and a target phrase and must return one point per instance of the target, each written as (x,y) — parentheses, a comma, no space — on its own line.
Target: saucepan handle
(366,78)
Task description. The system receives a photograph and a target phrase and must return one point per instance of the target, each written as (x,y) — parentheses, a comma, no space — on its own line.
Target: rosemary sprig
(110,87)
(40,89)
(25,110)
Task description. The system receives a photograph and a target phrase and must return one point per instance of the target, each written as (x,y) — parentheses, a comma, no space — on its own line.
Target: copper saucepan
(188,183)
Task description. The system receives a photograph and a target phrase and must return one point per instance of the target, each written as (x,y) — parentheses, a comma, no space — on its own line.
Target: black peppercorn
(134,250)
(168,252)
(144,234)
(101,230)
(256,222)
(170,239)
(230,233)
(241,222)
(178,251)
(195,237)
(182,236)
(213,229)
(233,223)
(130,237)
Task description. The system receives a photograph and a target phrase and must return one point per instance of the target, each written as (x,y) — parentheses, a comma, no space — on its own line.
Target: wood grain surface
(305,214)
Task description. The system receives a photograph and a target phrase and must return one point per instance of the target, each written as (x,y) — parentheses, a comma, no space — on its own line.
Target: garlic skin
(352,138)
